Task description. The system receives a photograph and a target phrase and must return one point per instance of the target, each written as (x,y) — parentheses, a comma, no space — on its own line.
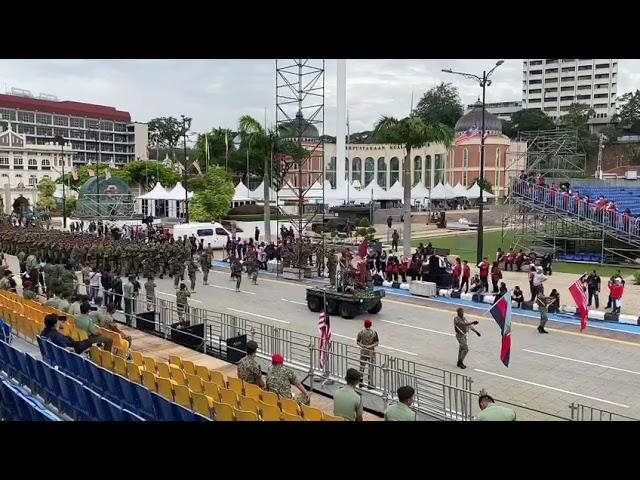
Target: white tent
(396,192)
(178,192)
(440,192)
(375,191)
(450,189)
(474,192)
(459,190)
(419,192)
(241,192)
(157,193)
(258,193)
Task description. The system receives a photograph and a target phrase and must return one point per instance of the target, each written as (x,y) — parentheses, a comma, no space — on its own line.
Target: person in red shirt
(457,271)
(466,273)
(565,199)
(617,289)
(511,258)
(612,213)
(484,273)
(586,200)
(626,219)
(402,269)
(576,202)
(600,204)
(496,276)
(554,194)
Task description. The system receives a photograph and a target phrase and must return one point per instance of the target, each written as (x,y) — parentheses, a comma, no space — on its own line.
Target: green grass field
(464,246)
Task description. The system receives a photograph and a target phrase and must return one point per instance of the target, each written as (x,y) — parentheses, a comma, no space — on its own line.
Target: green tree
(71,204)
(213,199)
(440,104)
(528,120)
(46,202)
(167,131)
(485,184)
(147,173)
(412,132)
(629,111)
(83,175)
(217,147)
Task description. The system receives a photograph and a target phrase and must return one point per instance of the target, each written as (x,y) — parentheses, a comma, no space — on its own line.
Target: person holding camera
(462,327)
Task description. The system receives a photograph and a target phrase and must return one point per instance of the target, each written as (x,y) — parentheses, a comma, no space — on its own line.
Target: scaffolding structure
(113,207)
(300,107)
(554,153)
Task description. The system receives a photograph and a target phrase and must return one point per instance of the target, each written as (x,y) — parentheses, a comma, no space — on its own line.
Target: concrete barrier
(423,289)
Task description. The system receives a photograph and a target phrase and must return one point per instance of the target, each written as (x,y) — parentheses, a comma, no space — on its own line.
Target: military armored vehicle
(347,304)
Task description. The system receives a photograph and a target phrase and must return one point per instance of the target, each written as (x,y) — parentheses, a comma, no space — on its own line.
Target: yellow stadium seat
(176,360)
(212,390)
(248,404)
(287,417)
(136,357)
(120,366)
(106,360)
(177,374)
(133,372)
(150,380)
(188,366)
(269,413)
(182,395)
(243,416)
(223,411)
(203,373)
(163,370)
(194,382)
(94,354)
(217,377)
(235,384)
(202,404)
(149,364)
(165,387)
(269,398)
(252,391)
(311,413)
(331,418)
(228,396)
(290,406)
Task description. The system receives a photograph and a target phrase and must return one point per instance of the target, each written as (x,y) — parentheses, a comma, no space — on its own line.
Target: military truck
(347,304)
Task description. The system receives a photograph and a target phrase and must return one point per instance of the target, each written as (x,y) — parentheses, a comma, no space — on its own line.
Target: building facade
(552,85)
(504,110)
(97,133)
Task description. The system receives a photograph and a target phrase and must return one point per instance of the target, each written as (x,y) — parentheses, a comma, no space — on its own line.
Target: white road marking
(171,295)
(551,388)
(582,361)
(232,289)
(418,328)
(381,346)
(293,301)
(257,315)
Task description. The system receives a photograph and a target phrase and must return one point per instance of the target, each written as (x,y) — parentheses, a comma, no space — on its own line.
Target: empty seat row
(17,405)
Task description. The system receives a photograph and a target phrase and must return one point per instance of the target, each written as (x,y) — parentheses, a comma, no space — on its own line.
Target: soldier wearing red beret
(367,341)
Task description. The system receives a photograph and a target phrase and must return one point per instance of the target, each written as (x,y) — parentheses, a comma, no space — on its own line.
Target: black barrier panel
(146,321)
(236,348)
(191,336)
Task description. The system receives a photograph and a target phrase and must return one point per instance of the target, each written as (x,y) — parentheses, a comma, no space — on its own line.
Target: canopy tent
(474,192)
(258,193)
(459,190)
(441,192)
(158,192)
(450,189)
(178,192)
(241,192)
(396,192)
(419,191)
(375,191)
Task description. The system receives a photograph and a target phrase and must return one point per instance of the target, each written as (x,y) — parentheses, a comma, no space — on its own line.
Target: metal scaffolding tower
(554,153)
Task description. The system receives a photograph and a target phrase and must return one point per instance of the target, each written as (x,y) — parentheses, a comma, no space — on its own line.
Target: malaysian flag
(580,297)
(501,313)
(325,338)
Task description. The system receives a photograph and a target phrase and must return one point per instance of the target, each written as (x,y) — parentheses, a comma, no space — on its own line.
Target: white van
(213,233)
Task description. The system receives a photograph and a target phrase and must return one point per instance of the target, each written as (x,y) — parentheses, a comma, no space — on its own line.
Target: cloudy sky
(217,92)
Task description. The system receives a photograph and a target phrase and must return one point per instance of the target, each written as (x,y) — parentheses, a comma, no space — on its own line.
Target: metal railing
(584,413)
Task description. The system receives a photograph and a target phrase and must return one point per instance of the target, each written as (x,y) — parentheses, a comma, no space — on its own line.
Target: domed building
(311,169)
(501,154)
(302,126)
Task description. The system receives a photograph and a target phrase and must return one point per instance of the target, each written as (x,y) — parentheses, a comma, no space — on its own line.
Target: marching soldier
(205,263)
(332,266)
(150,292)
(236,272)
(367,340)
(192,268)
(543,307)
(182,301)
(462,327)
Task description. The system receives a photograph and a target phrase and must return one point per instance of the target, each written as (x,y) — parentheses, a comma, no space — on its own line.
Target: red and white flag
(325,338)
(91,172)
(74,173)
(580,297)
(196,165)
(107,174)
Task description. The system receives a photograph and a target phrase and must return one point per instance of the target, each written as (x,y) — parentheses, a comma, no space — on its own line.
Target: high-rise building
(96,133)
(504,110)
(552,85)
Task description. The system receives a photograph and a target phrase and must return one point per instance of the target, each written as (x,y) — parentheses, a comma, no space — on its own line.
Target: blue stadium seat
(82,405)
(5,331)
(8,402)
(145,402)
(66,399)
(102,413)
(79,369)
(38,379)
(15,363)
(41,346)
(48,352)
(58,357)
(8,365)
(163,408)
(112,392)
(114,410)
(43,380)
(52,387)
(97,381)
(129,398)
(131,417)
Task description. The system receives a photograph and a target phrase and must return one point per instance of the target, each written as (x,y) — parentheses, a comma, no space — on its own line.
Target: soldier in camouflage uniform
(150,292)
(332,266)
(182,302)
(248,369)
(192,268)
(280,378)
(251,261)
(177,269)
(236,271)
(367,340)
(147,268)
(205,263)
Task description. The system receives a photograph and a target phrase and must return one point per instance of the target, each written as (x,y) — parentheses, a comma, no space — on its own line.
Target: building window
(43,118)
(496,178)
(4,163)
(567,98)
(535,90)
(439,168)
(395,171)
(568,79)
(356,170)
(417,170)
(382,172)
(582,68)
(552,80)
(535,82)
(77,122)
(369,170)
(26,117)
(567,89)
(17,163)
(330,172)
(46,164)
(32,164)
(585,77)
(535,72)
(568,69)
(61,121)
(427,171)
(551,90)
(33,180)
(27,129)
(63,132)
(465,167)
(534,100)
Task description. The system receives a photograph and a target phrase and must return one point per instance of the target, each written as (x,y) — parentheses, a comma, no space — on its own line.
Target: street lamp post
(60,141)
(484,82)
(184,171)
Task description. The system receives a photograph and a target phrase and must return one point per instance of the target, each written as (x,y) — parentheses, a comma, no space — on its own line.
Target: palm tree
(412,132)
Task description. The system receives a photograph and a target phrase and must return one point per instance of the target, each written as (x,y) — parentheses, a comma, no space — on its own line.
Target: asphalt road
(547,372)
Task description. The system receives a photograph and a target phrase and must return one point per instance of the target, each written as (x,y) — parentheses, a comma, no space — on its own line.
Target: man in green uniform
(192,268)
(182,302)
(490,412)
(280,378)
(543,308)
(88,323)
(367,340)
(150,292)
(127,292)
(401,411)
(248,369)
(205,263)
(347,403)
(462,327)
